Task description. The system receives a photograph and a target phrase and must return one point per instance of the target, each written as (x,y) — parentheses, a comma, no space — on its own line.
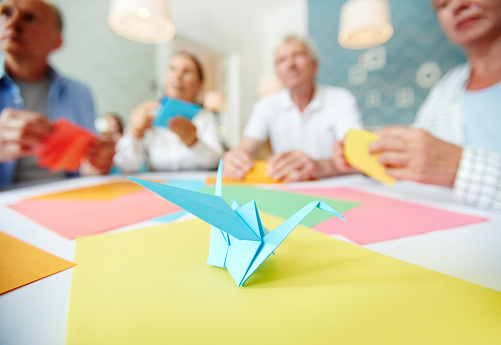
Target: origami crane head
(238,241)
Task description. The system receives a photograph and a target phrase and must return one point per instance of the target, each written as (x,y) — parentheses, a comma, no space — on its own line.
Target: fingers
(291,166)
(142,117)
(186,130)
(21,131)
(394,159)
(100,155)
(339,160)
(237,164)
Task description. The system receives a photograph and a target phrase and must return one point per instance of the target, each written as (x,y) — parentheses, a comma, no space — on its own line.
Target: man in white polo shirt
(302,122)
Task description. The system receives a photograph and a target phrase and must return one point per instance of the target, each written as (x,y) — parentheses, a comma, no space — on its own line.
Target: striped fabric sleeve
(478,180)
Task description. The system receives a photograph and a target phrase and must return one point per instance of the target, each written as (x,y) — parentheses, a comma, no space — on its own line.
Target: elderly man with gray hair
(302,122)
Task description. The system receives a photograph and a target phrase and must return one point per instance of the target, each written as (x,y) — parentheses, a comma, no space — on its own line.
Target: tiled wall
(392,80)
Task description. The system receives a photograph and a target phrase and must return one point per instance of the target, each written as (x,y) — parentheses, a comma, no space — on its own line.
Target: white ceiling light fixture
(144,21)
(364,24)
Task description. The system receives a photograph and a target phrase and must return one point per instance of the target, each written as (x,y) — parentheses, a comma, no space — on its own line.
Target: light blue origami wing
(210,208)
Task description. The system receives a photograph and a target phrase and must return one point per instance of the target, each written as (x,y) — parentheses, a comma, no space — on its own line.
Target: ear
(58,42)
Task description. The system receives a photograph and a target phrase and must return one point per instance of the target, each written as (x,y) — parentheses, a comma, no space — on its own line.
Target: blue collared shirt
(68,98)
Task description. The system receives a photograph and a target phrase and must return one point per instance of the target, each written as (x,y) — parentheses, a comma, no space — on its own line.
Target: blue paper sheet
(172,107)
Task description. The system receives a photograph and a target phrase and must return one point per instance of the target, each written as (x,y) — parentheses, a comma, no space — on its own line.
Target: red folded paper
(65,147)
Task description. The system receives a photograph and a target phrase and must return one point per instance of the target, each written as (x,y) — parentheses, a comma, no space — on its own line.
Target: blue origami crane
(238,241)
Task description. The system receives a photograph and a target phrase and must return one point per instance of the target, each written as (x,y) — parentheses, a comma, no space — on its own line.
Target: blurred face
(28,28)
(294,64)
(182,80)
(469,22)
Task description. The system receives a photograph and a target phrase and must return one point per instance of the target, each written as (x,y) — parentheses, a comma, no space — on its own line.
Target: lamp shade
(364,24)
(145,21)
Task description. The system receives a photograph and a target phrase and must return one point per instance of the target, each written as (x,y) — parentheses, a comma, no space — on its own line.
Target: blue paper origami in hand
(238,240)
(172,107)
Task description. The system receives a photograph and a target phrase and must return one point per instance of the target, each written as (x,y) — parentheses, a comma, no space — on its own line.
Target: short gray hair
(310,45)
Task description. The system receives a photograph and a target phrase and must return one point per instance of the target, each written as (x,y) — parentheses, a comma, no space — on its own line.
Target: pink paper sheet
(77,218)
(379,218)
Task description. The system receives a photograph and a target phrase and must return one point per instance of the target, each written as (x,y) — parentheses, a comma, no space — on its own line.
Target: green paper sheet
(282,204)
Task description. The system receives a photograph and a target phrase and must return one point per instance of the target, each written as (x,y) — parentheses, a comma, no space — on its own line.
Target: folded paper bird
(238,241)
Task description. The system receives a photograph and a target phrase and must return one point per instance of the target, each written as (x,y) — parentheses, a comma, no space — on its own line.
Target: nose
(14,21)
(460,5)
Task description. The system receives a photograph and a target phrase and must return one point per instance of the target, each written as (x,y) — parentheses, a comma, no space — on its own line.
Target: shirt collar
(316,103)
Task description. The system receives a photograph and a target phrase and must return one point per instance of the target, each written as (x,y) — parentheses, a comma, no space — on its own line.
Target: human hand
(142,117)
(293,166)
(237,164)
(339,160)
(416,155)
(99,157)
(186,130)
(21,131)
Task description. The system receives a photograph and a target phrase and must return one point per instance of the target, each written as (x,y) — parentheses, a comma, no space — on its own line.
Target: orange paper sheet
(256,175)
(21,263)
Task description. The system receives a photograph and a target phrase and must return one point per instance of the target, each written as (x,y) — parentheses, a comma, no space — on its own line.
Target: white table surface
(37,313)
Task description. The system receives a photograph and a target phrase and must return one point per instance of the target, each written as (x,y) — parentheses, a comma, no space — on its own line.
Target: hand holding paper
(172,107)
(66,146)
(21,131)
(238,240)
(257,174)
(356,152)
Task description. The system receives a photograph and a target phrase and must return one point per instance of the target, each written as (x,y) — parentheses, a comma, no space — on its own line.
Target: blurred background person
(302,122)
(455,141)
(185,144)
(33,95)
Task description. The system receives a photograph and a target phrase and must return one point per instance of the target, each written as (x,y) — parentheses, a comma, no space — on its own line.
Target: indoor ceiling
(219,24)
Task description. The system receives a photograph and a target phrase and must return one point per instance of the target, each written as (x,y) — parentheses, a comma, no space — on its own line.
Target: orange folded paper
(21,263)
(256,175)
(65,148)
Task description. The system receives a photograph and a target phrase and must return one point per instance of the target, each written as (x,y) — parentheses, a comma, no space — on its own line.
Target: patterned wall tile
(418,41)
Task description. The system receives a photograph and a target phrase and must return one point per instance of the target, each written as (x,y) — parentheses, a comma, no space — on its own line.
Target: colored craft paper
(170,217)
(65,147)
(21,263)
(379,218)
(256,175)
(356,152)
(172,107)
(317,290)
(238,242)
(73,217)
(105,191)
(282,203)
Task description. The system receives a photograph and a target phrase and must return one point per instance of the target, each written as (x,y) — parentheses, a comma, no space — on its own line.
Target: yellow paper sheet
(106,191)
(153,286)
(256,175)
(356,152)
(21,263)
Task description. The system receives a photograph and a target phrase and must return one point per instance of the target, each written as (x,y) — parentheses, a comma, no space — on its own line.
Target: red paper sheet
(65,148)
